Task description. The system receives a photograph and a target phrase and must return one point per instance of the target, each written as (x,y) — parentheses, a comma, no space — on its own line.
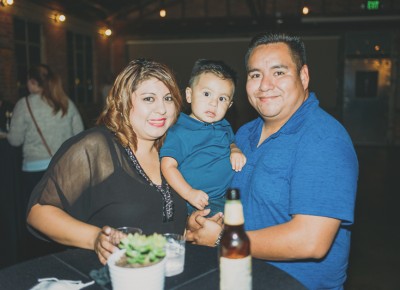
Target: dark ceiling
(189,17)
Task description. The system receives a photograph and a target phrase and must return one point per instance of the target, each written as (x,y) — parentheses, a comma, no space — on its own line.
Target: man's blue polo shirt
(202,151)
(308,167)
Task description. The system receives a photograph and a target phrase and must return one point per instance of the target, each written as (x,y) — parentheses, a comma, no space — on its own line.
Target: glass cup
(130,230)
(175,254)
(119,233)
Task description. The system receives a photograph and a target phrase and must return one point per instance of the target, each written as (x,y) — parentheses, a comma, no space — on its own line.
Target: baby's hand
(198,198)
(238,160)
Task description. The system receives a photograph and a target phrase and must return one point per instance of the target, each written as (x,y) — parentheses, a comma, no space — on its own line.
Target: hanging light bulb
(163,12)
(305,10)
(107,32)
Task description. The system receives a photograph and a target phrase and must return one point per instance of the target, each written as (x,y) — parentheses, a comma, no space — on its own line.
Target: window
(80,68)
(366,84)
(27,50)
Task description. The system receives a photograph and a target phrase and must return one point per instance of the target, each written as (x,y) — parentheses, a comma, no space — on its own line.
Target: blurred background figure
(40,122)
(106,86)
(5,114)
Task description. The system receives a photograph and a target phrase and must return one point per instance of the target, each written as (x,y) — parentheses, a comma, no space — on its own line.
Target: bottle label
(235,273)
(233,213)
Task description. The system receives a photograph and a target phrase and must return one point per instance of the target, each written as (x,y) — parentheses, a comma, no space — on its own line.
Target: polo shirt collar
(187,121)
(291,126)
(299,117)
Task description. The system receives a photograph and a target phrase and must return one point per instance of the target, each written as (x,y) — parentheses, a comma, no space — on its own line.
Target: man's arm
(303,237)
(169,168)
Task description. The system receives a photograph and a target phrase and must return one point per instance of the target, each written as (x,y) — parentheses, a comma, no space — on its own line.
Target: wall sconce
(6,2)
(105,32)
(59,17)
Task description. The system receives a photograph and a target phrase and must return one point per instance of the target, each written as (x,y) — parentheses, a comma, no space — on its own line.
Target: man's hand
(192,224)
(208,232)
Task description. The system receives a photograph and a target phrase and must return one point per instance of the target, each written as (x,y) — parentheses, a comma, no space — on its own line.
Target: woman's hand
(103,245)
(207,232)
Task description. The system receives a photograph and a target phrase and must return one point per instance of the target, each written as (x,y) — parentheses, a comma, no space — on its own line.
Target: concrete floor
(375,253)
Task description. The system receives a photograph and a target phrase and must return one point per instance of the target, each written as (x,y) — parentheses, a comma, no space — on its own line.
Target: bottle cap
(232,194)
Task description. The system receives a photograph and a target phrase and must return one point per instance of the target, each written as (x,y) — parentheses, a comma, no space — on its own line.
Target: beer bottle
(234,251)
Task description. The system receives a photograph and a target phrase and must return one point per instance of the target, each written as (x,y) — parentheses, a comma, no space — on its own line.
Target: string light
(305,10)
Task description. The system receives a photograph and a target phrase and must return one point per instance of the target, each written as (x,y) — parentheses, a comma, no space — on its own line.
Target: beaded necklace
(164,189)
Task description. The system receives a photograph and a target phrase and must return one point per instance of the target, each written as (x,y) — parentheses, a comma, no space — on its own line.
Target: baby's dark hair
(217,67)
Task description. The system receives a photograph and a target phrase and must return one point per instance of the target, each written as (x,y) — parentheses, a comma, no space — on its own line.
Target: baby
(199,157)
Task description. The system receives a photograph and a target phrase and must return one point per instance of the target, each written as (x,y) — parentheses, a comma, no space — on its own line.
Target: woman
(41,122)
(55,115)
(109,176)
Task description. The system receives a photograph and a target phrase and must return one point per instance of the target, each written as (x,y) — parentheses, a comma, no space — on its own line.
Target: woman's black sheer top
(96,180)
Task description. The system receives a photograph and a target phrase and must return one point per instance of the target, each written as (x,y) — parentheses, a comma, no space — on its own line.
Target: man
(299,184)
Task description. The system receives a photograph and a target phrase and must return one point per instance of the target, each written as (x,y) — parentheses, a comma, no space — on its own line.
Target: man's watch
(218,241)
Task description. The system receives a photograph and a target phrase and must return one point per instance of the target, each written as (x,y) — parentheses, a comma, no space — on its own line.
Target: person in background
(199,157)
(6,109)
(299,185)
(56,116)
(110,176)
(49,110)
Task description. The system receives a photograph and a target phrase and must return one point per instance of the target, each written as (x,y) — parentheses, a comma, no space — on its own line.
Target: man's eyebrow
(279,66)
(252,70)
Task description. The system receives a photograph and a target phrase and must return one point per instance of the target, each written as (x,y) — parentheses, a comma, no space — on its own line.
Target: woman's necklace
(164,188)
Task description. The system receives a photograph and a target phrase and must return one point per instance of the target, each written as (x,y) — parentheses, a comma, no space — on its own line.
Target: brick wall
(119,54)
(54,52)
(396,90)
(54,49)
(8,89)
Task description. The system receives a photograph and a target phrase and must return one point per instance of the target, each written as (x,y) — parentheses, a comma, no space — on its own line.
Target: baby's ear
(188,92)
(230,105)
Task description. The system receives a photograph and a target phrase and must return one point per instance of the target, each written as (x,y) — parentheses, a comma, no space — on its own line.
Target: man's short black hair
(295,44)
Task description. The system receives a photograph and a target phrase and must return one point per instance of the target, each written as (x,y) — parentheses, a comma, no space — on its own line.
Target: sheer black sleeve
(93,179)
(82,162)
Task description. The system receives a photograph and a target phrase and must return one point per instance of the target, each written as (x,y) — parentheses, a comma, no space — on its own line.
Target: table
(201,271)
